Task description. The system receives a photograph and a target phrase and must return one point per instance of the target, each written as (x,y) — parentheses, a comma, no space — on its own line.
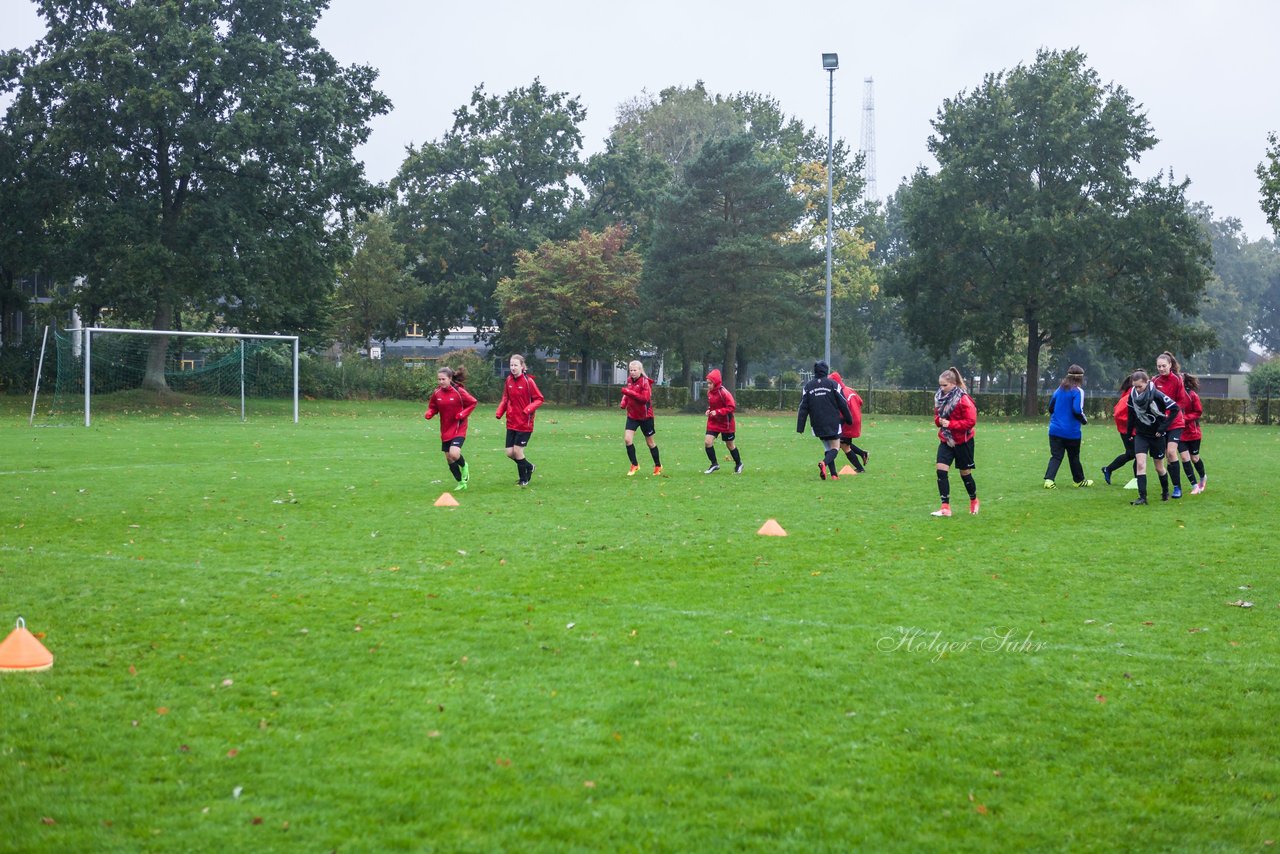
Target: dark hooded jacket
(822,404)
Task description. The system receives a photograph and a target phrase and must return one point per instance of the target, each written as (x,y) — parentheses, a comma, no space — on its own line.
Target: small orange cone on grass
(446,500)
(22,651)
(848,469)
(771,528)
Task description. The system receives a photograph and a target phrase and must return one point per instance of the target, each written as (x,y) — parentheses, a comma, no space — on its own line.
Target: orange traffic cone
(22,651)
(848,469)
(771,528)
(446,500)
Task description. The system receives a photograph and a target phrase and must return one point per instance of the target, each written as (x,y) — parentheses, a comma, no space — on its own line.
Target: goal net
(100,372)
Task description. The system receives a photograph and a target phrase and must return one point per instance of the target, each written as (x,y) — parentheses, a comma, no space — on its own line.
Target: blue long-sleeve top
(1066,413)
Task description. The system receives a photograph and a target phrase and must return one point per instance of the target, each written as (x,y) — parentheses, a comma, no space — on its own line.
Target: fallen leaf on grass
(589,784)
(257,819)
(1100,698)
(47,820)
(1240,603)
(502,762)
(163,710)
(232,753)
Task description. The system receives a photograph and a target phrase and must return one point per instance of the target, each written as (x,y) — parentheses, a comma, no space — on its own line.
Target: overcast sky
(1203,70)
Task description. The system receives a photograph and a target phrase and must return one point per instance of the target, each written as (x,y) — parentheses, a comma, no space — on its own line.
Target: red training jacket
(637,398)
(1171,385)
(853,429)
(453,405)
(1195,409)
(964,418)
(721,405)
(520,397)
(1121,413)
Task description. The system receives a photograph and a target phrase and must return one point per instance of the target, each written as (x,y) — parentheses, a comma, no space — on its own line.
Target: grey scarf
(945,402)
(1144,405)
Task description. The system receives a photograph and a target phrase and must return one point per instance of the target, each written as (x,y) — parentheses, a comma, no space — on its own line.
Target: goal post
(89,332)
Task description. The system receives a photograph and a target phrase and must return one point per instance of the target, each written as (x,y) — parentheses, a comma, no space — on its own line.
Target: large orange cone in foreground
(21,651)
(771,528)
(446,500)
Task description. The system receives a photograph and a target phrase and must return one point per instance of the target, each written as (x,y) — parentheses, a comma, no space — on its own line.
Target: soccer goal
(204,373)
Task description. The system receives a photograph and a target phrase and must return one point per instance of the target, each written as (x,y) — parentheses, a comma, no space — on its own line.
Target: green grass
(267,638)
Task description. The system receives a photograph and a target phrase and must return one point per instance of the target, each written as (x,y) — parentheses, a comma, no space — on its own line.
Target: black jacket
(1161,411)
(824,407)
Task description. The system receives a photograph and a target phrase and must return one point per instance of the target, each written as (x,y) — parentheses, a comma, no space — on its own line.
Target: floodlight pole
(830,62)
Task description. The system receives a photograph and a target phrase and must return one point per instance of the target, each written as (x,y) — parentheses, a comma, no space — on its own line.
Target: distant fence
(904,402)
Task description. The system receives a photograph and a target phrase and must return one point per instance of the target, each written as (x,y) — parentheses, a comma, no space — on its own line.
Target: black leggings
(1058,445)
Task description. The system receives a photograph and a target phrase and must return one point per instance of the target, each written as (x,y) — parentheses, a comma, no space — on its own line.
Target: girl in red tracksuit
(637,400)
(453,404)
(1168,380)
(956,417)
(520,397)
(1189,444)
(852,430)
(1121,415)
(720,422)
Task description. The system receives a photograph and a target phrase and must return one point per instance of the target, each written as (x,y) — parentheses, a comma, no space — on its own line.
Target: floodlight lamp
(830,61)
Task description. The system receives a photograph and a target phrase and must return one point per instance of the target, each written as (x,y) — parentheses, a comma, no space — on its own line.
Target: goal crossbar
(174,333)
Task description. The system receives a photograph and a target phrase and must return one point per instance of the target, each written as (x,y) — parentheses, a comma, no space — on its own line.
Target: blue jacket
(1066,413)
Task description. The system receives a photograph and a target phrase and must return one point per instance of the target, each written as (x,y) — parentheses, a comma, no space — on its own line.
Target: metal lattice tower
(869,192)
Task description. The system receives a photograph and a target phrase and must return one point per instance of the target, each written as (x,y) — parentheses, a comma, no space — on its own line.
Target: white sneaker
(712,469)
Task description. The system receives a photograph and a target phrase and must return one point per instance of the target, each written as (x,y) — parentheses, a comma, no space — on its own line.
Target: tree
(720,264)
(373,286)
(1269,175)
(573,296)
(1034,229)
(499,181)
(1235,304)
(653,145)
(207,148)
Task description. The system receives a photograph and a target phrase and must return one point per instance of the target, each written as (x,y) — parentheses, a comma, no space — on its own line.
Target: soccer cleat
(1177,492)
(461,487)
(712,469)
(1139,501)
(737,469)
(633,471)
(832,473)
(466,473)
(1164,496)
(657,470)
(1084,483)
(865,454)
(1048,484)
(944,510)
(973,507)
(1106,475)
(1204,483)
(522,483)
(1197,489)
(822,470)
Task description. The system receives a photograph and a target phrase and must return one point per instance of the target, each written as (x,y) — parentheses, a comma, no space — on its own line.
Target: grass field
(267,638)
